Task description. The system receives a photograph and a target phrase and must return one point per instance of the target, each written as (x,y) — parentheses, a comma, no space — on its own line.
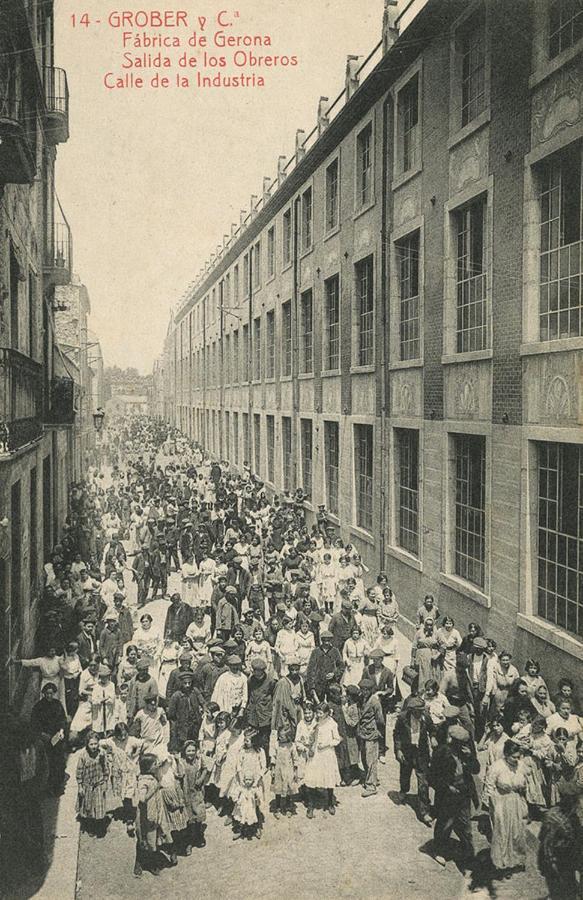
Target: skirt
(322,770)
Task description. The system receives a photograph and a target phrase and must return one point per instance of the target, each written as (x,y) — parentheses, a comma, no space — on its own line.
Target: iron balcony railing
(21,393)
(59,248)
(57,103)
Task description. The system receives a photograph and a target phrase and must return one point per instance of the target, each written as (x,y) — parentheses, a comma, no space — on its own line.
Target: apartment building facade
(398,327)
(36,395)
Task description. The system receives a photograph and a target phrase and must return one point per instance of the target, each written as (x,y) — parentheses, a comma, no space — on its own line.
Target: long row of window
(559,182)
(559,536)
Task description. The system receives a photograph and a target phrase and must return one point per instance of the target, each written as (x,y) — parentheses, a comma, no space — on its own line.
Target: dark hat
(480,642)
(231,644)
(377,653)
(217,649)
(326,635)
(458,733)
(143,663)
(184,675)
(316,616)
(234,660)
(186,654)
(230,589)
(353,690)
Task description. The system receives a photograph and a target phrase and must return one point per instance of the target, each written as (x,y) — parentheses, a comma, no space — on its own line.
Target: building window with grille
(227,436)
(245,377)
(470,508)
(332,465)
(246,285)
(257,442)
(408,125)
(236,438)
(332,195)
(471,40)
(307,334)
(246,439)
(408,273)
(307,214)
(364,312)
(307,455)
(363,470)
(560,535)
(407,446)
(364,172)
(270,429)
(471,283)
(286,452)
(236,284)
(286,338)
(227,359)
(236,362)
(271,252)
(287,237)
(561,246)
(270,345)
(257,349)
(565,25)
(332,324)
(257,265)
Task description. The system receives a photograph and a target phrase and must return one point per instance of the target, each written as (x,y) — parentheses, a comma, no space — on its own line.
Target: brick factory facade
(397,325)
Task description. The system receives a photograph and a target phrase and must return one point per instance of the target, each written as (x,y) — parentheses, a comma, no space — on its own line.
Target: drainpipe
(295,343)
(386,343)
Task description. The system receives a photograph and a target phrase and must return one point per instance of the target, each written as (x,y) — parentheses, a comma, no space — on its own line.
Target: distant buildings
(397,323)
(39,452)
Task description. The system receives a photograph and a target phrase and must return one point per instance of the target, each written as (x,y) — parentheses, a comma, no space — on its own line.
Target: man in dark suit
(87,642)
(451,775)
(412,749)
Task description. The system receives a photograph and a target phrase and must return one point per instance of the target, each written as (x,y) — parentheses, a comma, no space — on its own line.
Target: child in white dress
(322,772)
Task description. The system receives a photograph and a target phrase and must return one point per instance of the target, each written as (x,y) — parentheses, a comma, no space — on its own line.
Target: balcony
(17,148)
(61,409)
(58,264)
(57,105)
(21,388)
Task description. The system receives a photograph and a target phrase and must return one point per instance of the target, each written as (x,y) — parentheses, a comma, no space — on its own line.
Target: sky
(150,180)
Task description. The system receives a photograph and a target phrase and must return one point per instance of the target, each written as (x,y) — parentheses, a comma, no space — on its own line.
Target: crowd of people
(275,677)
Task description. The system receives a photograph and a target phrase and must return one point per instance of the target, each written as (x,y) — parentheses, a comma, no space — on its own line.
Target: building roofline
(393,63)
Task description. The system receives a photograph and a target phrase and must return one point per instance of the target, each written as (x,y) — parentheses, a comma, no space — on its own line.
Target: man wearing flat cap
(230,692)
(478,677)
(142,686)
(325,667)
(184,665)
(451,775)
(342,624)
(411,741)
(185,711)
(178,618)
(226,615)
(260,690)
